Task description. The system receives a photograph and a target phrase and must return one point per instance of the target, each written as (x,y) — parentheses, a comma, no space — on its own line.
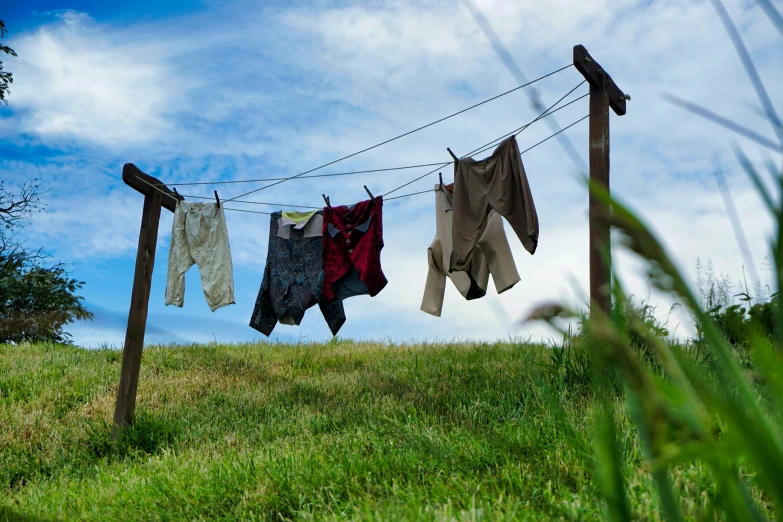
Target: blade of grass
(670,505)
(772,14)
(736,224)
(756,179)
(723,122)
(750,69)
(767,449)
(715,453)
(610,465)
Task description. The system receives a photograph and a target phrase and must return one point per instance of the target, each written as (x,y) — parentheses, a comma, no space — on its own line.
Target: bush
(36,301)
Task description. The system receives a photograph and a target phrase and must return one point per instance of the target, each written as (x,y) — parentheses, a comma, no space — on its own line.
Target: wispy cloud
(76,83)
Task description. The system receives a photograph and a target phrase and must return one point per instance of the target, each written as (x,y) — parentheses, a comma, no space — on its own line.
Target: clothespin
(440,177)
(217,199)
(326,200)
(177,195)
(369,193)
(452,154)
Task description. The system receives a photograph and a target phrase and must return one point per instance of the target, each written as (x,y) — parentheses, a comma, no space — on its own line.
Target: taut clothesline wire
(387,169)
(401,135)
(153,185)
(490,144)
(387,199)
(428,190)
(232,181)
(439,165)
(522,152)
(186,196)
(550,110)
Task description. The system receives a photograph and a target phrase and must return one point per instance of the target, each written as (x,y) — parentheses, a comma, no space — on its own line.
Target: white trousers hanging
(199,236)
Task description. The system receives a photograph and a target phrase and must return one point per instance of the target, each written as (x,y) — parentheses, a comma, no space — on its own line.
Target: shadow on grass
(147,435)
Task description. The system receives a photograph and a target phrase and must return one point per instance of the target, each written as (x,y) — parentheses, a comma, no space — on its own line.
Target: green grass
(335,431)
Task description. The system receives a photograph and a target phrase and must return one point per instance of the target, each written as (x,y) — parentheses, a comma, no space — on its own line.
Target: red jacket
(353,236)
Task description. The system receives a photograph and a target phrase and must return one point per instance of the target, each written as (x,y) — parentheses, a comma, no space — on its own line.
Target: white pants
(199,236)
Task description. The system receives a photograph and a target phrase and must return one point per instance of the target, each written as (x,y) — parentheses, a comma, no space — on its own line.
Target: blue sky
(200,91)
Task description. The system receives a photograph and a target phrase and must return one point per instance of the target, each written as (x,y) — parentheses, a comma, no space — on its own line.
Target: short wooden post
(604,93)
(154,200)
(137,317)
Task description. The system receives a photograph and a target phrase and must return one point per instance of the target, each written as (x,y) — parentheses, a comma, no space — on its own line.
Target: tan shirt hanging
(492,256)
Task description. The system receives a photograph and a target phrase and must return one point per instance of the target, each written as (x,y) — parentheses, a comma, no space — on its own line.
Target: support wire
(483,147)
(401,135)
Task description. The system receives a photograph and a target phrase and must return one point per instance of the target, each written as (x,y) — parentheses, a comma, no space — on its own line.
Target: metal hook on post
(217,199)
(368,192)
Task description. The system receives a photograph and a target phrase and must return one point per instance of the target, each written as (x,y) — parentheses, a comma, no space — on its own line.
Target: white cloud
(73,80)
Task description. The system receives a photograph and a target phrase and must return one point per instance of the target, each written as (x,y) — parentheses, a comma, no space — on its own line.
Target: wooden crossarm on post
(604,93)
(147,185)
(596,76)
(156,196)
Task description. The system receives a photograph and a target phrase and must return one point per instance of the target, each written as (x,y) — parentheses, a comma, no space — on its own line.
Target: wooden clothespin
(452,154)
(217,199)
(326,200)
(369,193)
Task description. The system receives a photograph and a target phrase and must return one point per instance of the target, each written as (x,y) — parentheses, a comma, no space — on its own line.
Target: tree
(14,208)
(6,78)
(37,298)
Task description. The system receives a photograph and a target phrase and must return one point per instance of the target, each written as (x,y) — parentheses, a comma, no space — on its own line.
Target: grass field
(335,431)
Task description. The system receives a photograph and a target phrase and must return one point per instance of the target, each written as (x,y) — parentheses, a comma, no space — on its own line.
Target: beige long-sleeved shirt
(492,256)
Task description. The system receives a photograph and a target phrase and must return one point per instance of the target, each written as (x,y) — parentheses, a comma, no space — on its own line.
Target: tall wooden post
(604,94)
(154,200)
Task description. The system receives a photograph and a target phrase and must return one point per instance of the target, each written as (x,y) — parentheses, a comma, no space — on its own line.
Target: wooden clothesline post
(154,200)
(604,94)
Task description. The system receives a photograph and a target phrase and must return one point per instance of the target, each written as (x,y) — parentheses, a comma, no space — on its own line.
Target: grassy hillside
(338,431)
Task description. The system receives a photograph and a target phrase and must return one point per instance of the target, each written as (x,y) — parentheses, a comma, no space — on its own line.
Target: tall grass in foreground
(715,414)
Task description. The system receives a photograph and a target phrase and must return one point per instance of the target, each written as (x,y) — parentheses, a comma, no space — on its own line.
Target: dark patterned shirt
(293,282)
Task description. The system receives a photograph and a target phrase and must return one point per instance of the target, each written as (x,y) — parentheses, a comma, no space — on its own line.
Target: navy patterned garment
(293,280)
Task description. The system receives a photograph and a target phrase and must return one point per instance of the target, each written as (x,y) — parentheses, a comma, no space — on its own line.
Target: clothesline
(351,173)
(550,110)
(401,135)
(385,198)
(521,152)
(491,143)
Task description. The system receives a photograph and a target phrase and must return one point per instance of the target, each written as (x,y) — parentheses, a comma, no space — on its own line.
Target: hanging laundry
(294,275)
(498,182)
(310,223)
(353,239)
(492,256)
(199,236)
